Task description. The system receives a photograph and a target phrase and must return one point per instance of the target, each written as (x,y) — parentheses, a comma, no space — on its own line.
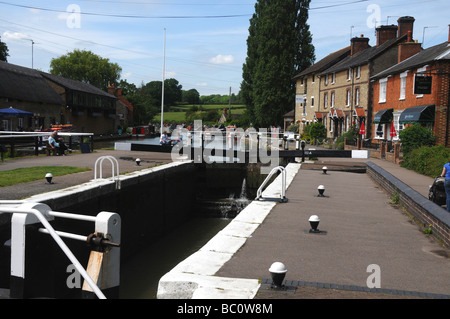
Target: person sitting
(57,143)
(164,139)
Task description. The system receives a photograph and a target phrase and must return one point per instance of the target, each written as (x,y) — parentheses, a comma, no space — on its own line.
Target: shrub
(427,160)
(317,131)
(351,134)
(416,136)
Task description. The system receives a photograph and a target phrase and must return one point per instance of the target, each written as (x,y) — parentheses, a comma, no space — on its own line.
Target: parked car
(437,191)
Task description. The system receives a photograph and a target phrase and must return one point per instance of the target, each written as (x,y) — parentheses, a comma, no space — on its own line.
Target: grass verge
(30,174)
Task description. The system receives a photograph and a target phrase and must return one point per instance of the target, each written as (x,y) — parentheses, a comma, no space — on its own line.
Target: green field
(178,113)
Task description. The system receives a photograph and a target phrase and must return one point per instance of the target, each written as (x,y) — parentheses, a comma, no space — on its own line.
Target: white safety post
(104,266)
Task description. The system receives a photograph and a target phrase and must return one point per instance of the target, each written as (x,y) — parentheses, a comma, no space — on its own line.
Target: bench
(50,150)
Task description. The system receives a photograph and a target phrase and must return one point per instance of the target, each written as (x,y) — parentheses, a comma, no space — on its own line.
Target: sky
(200,43)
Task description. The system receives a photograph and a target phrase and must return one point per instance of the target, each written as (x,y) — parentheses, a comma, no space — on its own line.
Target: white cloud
(202,84)
(170,74)
(222,59)
(14,36)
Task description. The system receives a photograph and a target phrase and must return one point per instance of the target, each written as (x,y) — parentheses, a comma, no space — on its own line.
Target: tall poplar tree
(278,47)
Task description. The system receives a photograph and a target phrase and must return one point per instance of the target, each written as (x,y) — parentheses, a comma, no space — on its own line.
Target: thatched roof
(76,85)
(26,84)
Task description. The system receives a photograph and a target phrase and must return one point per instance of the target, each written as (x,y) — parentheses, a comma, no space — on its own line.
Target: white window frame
(326,79)
(348,97)
(357,96)
(403,85)
(312,101)
(349,74)
(383,90)
(333,98)
(358,72)
(325,100)
(333,78)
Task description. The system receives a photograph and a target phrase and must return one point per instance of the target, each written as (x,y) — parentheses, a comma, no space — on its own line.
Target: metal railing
(25,213)
(114,165)
(282,198)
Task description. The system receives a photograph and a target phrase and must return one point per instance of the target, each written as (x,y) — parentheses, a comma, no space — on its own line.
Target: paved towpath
(360,228)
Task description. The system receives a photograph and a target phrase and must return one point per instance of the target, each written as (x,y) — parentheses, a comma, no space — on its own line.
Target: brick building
(342,92)
(398,98)
(308,89)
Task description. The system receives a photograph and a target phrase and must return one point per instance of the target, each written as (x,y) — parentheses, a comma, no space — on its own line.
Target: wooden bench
(50,150)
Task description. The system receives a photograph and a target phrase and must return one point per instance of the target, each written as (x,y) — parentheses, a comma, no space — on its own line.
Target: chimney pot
(405,24)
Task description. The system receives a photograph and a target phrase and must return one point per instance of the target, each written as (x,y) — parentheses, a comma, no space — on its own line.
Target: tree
(4,52)
(190,97)
(86,67)
(278,47)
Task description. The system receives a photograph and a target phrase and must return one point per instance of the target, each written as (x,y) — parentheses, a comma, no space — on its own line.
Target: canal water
(140,275)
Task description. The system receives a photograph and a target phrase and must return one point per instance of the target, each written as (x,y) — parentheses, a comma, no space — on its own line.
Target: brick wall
(423,210)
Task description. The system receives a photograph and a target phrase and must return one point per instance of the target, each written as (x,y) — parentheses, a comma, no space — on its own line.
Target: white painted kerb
(193,278)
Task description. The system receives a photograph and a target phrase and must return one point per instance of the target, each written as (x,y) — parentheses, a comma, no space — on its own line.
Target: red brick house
(396,95)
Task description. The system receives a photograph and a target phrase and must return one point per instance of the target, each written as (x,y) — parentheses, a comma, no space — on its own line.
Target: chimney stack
(409,48)
(386,33)
(405,24)
(359,44)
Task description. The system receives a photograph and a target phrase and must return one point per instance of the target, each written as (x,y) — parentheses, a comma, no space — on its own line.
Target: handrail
(283,184)
(112,160)
(30,209)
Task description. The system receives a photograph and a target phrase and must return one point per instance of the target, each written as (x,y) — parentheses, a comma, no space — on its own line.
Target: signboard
(422,84)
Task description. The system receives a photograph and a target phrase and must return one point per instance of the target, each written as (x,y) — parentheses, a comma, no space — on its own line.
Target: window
(5,125)
(357,97)
(403,85)
(379,133)
(349,74)
(333,78)
(358,72)
(325,100)
(348,97)
(326,79)
(313,78)
(332,99)
(312,101)
(383,85)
